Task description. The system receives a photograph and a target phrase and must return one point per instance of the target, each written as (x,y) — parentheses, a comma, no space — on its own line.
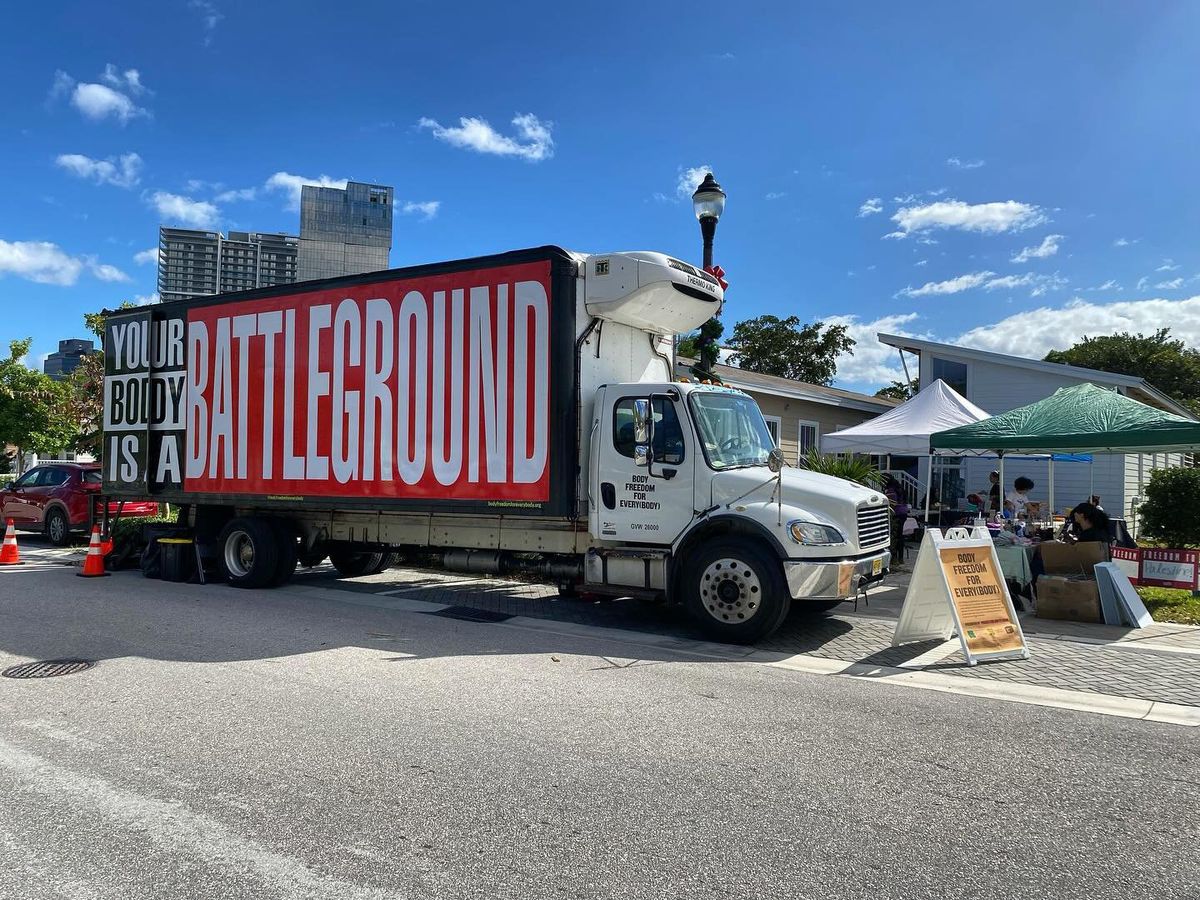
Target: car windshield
(732,429)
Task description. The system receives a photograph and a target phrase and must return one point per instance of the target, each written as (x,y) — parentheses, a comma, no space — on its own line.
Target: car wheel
(356,563)
(735,591)
(58,530)
(250,549)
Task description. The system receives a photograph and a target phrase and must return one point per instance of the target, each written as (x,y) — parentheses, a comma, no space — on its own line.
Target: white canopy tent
(905,430)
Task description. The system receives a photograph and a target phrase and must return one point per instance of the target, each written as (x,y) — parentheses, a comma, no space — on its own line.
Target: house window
(951,372)
(809,437)
(773,425)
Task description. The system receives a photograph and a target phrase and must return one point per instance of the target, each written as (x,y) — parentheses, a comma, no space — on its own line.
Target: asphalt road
(242,744)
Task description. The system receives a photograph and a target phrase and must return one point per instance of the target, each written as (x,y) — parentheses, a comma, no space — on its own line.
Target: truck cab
(687,493)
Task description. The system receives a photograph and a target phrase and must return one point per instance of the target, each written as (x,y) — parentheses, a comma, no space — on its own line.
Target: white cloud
(1038,284)
(1036,332)
(235,195)
(105,272)
(184,210)
(985,218)
(210,17)
(1110,285)
(957,163)
(1172,285)
(39,261)
(1143,283)
(872,362)
(870,206)
(1125,242)
(426,209)
(129,81)
(689,180)
(950,286)
(123,171)
(147,256)
(1048,247)
(290,185)
(145,299)
(1168,265)
(775,195)
(533,141)
(921,262)
(62,85)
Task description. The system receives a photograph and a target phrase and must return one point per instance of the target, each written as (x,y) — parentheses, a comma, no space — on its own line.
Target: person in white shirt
(1018,498)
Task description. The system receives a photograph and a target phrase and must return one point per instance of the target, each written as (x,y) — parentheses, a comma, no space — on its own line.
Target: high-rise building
(70,354)
(198,263)
(344,232)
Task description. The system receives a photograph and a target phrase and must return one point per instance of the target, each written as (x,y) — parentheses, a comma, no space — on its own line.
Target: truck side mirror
(641,421)
(775,460)
(641,456)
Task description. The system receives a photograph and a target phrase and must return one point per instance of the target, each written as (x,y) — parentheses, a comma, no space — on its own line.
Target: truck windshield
(732,430)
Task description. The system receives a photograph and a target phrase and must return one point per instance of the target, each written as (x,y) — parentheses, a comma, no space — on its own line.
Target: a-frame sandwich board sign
(957,587)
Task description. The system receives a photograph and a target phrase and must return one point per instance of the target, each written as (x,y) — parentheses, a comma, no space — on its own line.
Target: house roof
(795,390)
(1148,393)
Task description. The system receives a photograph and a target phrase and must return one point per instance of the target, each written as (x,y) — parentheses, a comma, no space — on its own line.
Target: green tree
(1169,512)
(707,349)
(785,347)
(33,409)
(1168,364)
(898,390)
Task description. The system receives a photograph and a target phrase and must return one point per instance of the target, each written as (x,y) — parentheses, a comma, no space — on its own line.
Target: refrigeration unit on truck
(513,413)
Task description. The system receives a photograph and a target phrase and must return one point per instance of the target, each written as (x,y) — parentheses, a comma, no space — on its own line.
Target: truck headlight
(814,535)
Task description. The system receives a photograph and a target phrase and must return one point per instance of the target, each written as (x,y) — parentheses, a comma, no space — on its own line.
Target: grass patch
(1171,605)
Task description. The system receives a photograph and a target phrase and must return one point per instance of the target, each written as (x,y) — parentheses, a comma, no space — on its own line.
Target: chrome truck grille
(874,527)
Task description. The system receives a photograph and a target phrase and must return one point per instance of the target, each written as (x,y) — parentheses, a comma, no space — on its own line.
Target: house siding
(790,412)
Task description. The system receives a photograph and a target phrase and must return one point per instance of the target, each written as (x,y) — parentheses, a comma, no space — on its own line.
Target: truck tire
(735,591)
(289,552)
(312,558)
(356,563)
(249,551)
(58,529)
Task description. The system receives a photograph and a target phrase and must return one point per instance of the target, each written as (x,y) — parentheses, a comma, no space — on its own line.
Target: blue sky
(1011,176)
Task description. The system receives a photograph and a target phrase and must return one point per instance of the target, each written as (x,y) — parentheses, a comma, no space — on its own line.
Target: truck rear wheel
(289,552)
(356,563)
(250,549)
(735,591)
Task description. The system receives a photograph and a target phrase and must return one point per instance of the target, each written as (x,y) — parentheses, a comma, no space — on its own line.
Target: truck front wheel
(250,549)
(356,563)
(735,591)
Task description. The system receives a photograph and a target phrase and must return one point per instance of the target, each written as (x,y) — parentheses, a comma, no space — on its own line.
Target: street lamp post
(708,202)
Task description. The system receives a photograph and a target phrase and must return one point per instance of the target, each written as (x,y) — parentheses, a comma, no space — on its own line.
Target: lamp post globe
(708,201)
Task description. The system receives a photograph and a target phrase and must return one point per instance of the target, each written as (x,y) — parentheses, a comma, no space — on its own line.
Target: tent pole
(1003,494)
(928,488)
(1092,479)
(1051,490)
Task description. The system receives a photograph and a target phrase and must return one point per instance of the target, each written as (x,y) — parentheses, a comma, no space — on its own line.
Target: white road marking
(177,828)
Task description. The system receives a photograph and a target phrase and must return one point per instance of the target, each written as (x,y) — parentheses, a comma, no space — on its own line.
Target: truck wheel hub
(730,591)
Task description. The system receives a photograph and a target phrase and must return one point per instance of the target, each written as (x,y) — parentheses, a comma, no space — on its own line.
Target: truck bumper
(835,579)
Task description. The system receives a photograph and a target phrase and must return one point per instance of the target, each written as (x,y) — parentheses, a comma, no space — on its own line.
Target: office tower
(344,232)
(70,354)
(199,263)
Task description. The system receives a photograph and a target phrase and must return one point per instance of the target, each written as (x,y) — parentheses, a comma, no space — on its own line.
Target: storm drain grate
(47,668)
(468,614)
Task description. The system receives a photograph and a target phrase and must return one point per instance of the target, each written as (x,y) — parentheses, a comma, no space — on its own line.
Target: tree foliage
(33,414)
(898,390)
(786,348)
(706,346)
(1169,511)
(1168,364)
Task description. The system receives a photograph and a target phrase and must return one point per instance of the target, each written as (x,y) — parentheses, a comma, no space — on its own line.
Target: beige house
(798,413)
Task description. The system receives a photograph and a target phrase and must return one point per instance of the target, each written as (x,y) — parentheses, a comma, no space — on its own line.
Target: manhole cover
(47,668)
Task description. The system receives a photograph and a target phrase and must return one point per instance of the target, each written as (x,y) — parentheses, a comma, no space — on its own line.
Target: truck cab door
(642,489)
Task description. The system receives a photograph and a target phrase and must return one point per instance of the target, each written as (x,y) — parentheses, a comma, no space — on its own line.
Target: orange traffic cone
(93,563)
(9,554)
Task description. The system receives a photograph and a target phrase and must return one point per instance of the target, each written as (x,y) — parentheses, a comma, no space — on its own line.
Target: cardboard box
(1068,589)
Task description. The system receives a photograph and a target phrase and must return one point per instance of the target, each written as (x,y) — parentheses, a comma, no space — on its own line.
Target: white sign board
(957,587)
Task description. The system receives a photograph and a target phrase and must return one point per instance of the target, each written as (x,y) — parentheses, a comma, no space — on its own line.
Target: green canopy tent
(1083,418)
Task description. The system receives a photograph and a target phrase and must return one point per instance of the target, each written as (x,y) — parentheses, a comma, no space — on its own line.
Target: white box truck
(514,413)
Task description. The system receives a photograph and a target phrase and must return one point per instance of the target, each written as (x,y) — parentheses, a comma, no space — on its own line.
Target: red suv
(59,498)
